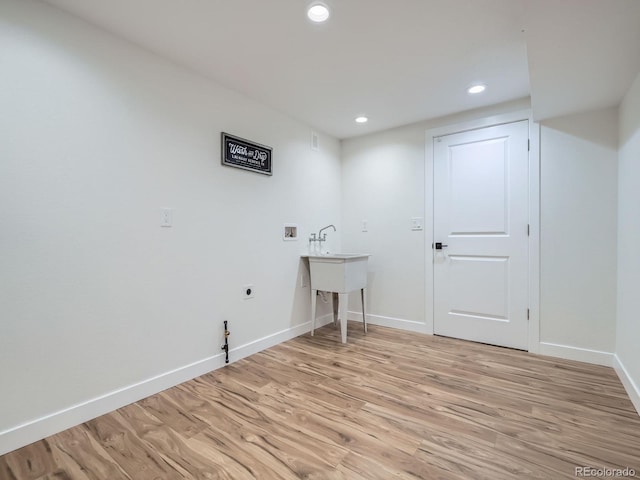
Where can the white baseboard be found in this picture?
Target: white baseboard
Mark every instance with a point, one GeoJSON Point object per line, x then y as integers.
{"type": "Point", "coordinates": [55, 422]}
{"type": "Point", "coordinates": [596, 357]}
{"type": "Point", "coordinates": [629, 385]}
{"type": "Point", "coordinates": [275, 338]}
{"type": "Point", "coordinates": [398, 323]}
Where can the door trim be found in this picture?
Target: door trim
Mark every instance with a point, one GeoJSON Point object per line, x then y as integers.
{"type": "Point", "coordinates": [534, 214]}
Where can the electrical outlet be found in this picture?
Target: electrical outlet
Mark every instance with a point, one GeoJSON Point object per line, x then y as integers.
{"type": "Point", "coordinates": [248, 291]}
{"type": "Point", "coordinates": [365, 225]}
{"type": "Point", "coordinates": [166, 217]}
{"type": "Point", "coordinates": [304, 279]}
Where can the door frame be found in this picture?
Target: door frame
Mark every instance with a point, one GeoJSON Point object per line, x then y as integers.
{"type": "Point", "coordinates": [533, 340]}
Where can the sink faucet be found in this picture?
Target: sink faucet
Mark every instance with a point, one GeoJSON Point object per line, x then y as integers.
{"type": "Point", "coordinates": [320, 236]}
{"type": "Point", "coordinates": [323, 237]}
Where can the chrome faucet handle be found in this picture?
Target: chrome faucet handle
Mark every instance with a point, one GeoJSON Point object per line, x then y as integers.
{"type": "Point", "coordinates": [313, 238]}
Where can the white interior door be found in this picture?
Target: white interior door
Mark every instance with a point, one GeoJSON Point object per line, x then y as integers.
{"type": "Point", "coordinates": [481, 220]}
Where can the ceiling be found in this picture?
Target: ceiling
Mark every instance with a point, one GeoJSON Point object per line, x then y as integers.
{"type": "Point", "coordinates": [396, 62]}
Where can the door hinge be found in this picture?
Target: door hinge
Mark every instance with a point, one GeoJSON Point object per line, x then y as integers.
{"type": "Point", "coordinates": [528, 145]}
{"type": "Point", "coordinates": [528, 230]}
{"type": "Point", "coordinates": [527, 314]}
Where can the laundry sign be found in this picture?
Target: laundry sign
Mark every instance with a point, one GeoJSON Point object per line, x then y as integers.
{"type": "Point", "coordinates": [240, 153]}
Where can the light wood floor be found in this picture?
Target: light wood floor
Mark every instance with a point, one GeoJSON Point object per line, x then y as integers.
{"type": "Point", "coordinates": [388, 405]}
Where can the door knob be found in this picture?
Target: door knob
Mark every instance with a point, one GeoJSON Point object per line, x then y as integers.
{"type": "Point", "coordinates": [439, 246]}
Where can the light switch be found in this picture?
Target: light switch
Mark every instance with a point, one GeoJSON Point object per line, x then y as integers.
{"type": "Point", "coordinates": [416, 223]}
{"type": "Point", "coordinates": [365, 226]}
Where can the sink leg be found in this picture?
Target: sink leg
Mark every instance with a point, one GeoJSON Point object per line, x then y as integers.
{"type": "Point", "coordinates": [314, 299]}
{"type": "Point", "coordinates": [343, 302]}
{"type": "Point", "coordinates": [334, 299]}
{"type": "Point", "coordinates": [363, 296]}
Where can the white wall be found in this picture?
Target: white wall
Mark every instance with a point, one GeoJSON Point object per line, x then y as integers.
{"type": "Point", "coordinates": [383, 182]}
{"type": "Point", "coordinates": [578, 184]}
{"type": "Point", "coordinates": [383, 178]}
{"type": "Point", "coordinates": [628, 324]}
{"type": "Point", "coordinates": [97, 136]}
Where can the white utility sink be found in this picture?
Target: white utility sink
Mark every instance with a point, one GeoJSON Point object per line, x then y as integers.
{"type": "Point", "coordinates": [339, 273]}
{"type": "Point", "coordinates": [337, 255]}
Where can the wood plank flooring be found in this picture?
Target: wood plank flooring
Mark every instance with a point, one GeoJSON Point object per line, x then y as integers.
{"type": "Point", "coordinates": [388, 405]}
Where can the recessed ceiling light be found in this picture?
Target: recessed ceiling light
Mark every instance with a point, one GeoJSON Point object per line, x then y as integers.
{"type": "Point", "coordinates": [362, 119]}
{"type": "Point", "coordinates": [318, 12]}
{"type": "Point", "coordinates": [479, 88]}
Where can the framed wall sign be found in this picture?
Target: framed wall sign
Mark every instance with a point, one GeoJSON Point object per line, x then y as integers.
{"type": "Point", "coordinates": [240, 153]}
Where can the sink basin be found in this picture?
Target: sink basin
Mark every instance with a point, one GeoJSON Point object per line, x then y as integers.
{"type": "Point", "coordinates": [338, 272]}
{"type": "Point", "coordinates": [338, 255]}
